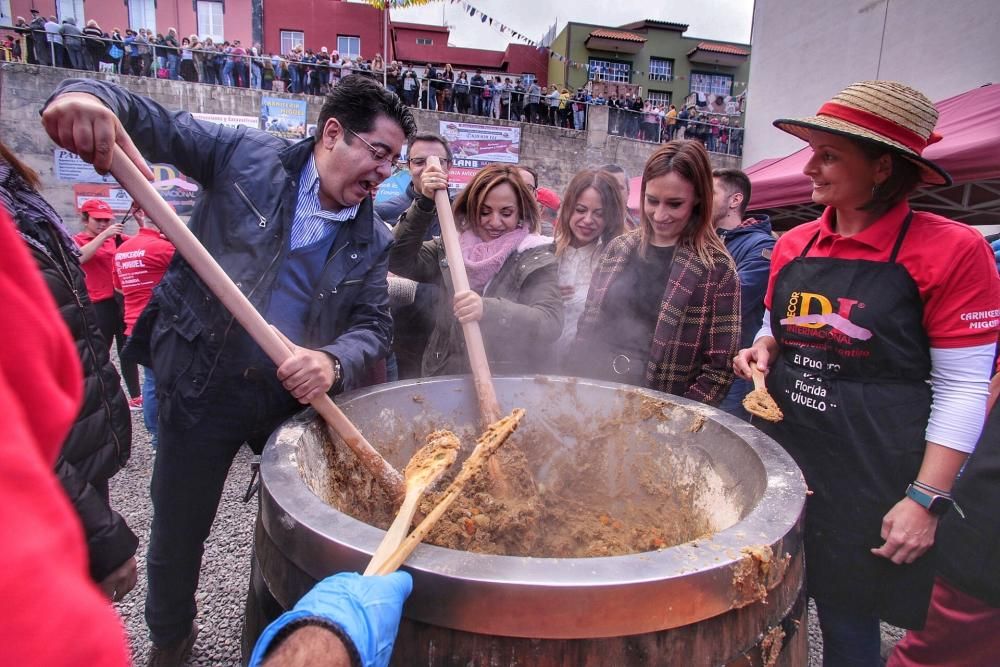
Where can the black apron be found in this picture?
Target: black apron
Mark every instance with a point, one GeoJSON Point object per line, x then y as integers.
{"type": "Point", "coordinates": [851, 379]}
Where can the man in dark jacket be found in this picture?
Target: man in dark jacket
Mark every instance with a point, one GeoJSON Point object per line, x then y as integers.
{"type": "Point", "coordinates": [296, 233]}
{"type": "Point", "coordinates": [478, 84]}
{"type": "Point", "coordinates": [100, 440]}
{"type": "Point", "coordinates": [750, 242]}
{"type": "Point", "coordinates": [419, 147]}
{"type": "Point", "coordinates": [413, 304]}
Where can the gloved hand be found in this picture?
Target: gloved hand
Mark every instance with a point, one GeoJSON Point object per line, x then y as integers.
{"type": "Point", "coordinates": [367, 609]}
{"type": "Point", "coordinates": [996, 252]}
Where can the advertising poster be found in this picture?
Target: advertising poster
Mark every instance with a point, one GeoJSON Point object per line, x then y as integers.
{"type": "Point", "coordinates": [179, 191]}
{"type": "Point", "coordinates": [71, 167]}
{"type": "Point", "coordinates": [475, 145]}
{"type": "Point", "coordinates": [283, 117]}
{"type": "Point", "coordinates": [391, 187]}
{"type": "Point", "coordinates": [111, 194]}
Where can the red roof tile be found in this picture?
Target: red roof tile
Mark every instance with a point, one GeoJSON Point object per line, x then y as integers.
{"type": "Point", "coordinates": [721, 48]}
{"type": "Point", "coordinates": [617, 34]}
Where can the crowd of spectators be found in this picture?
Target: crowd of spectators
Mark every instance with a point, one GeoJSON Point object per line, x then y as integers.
{"type": "Point", "coordinates": [305, 71]}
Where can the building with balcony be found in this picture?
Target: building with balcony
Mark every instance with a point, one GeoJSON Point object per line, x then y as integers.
{"type": "Point", "coordinates": [652, 58]}
{"type": "Point", "coordinates": [218, 19]}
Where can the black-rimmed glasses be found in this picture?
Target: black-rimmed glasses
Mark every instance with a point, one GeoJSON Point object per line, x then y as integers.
{"type": "Point", "coordinates": [380, 155]}
{"type": "Point", "coordinates": [421, 161]}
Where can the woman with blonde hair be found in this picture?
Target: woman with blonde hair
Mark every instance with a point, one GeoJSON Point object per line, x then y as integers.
{"type": "Point", "coordinates": [512, 271]}
{"type": "Point", "coordinates": [664, 304]}
{"type": "Point", "coordinates": [591, 215]}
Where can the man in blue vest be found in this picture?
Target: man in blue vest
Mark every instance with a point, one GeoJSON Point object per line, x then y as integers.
{"type": "Point", "coordinates": [291, 223]}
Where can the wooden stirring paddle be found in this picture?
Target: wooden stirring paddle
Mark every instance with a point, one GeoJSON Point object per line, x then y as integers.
{"type": "Point", "coordinates": [426, 466]}
{"type": "Point", "coordinates": [222, 286]}
{"type": "Point", "coordinates": [759, 402]}
{"type": "Point", "coordinates": [487, 444]}
{"type": "Point", "coordinates": [482, 378]}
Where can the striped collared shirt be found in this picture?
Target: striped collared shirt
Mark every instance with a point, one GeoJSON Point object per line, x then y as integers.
{"type": "Point", "coordinates": [311, 222]}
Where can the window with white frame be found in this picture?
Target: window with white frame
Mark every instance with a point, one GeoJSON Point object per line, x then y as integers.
{"type": "Point", "coordinates": [142, 14]}
{"type": "Point", "coordinates": [210, 20]}
{"type": "Point", "coordinates": [74, 8]}
{"type": "Point", "coordinates": [661, 69]}
{"type": "Point", "coordinates": [660, 98]}
{"type": "Point", "coordinates": [5, 17]}
{"type": "Point", "coordinates": [349, 46]}
{"type": "Point", "coordinates": [711, 84]}
{"type": "Point", "coordinates": [607, 70]}
{"type": "Point", "coordinates": [291, 39]}
{"type": "Point", "coordinates": [425, 41]}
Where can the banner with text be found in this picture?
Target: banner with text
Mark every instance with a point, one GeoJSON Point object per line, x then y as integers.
{"type": "Point", "coordinates": [283, 117]}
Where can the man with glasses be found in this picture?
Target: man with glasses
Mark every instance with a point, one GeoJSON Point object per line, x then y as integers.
{"type": "Point", "coordinates": [292, 224]}
{"type": "Point", "coordinates": [413, 304]}
{"type": "Point", "coordinates": [419, 147]}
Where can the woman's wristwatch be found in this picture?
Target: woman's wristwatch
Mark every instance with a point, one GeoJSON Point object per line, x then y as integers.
{"type": "Point", "coordinates": [932, 501]}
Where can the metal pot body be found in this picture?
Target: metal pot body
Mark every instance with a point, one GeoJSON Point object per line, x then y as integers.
{"type": "Point", "coordinates": [726, 597]}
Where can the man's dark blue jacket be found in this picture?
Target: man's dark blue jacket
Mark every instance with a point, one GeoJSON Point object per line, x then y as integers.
{"type": "Point", "coordinates": [243, 217]}
{"type": "Point", "coordinates": [751, 244]}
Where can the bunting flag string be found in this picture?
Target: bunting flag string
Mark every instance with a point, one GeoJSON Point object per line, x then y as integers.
{"type": "Point", "coordinates": [504, 29]}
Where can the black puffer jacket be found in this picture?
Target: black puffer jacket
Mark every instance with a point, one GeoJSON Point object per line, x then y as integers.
{"type": "Point", "coordinates": [99, 443]}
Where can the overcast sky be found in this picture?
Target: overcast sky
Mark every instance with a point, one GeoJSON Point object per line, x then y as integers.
{"type": "Point", "coordinates": [727, 20]}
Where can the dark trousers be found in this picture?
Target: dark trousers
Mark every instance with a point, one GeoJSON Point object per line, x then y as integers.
{"type": "Point", "coordinates": [850, 639]}
{"type": "Point", "coordinates": [109, 321]}
{"type": "Point", "coordinates": [188, 478]}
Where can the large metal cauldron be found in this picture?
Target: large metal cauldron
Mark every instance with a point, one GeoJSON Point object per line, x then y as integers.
{"type": "Point", "coordinates": [735, 597]}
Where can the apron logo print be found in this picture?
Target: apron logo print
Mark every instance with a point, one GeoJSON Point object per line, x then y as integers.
{"type": "Point", "coordinates": [798, 314]}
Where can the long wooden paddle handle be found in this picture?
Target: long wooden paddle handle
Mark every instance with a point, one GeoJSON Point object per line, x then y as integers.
{"type": "Point", "coordinates": [758, 376]}
{"type": "Point", "coordinates": [482, 378]}
{"type": "Point", "coordinates": [191, 249]}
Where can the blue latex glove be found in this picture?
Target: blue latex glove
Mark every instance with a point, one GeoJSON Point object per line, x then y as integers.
{"type": "Point", "coordinates": [996, 252]}
{"type": "Point", "coordinates": [367, 609]}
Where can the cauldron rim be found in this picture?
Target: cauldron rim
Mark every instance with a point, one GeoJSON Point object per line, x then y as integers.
{"type": "Point", "coordinates": [703, 567]}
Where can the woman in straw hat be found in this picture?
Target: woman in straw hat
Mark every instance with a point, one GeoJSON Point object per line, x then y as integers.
{"type": "Point", "coordinates": [879, 336]}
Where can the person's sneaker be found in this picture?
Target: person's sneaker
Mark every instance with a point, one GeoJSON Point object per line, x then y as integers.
{"type": "Point", "coordinates": [135, 404]}
{"type": "Point", "coordinates": [174, 653]}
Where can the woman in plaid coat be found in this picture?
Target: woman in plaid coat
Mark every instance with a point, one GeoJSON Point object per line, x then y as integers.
{"type": "Point", "coordinates": [664, 305]}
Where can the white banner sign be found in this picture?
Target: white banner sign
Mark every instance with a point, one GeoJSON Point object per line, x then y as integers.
{"type": "Point", "coordinates": [228, 120]}
{"type": "Point", "coordinates": [71, 167]}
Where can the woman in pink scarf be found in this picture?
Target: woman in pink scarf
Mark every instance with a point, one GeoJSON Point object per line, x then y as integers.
{"type": "Point", "coordinates": [512, 272]}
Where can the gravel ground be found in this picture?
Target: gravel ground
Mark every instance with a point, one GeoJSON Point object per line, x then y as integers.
{"type": "Point", "coordinates": [226, 564]}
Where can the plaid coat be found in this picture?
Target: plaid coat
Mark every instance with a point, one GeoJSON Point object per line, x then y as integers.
{"type": "Point", "coordinates": [698, 330]}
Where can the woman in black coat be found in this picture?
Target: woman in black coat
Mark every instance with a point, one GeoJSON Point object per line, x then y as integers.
{"type": "Point", "coordinates": [100, 441]}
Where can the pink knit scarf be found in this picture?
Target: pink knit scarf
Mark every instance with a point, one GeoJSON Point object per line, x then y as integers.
{"type": "Point", "coordinates": [484, 258]}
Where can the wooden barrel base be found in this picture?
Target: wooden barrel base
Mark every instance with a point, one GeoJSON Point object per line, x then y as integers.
{"type": "Point", "coordinates": [772, 633]}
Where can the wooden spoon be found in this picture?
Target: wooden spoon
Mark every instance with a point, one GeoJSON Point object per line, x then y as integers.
{"type": "Point", "coordinates": [424, 468]}
{"type": "Point", "coordinates": [487, 444]}
{"type": "Point", "coordinates": [759, 402]}
{"type": "Point", "coordinates": [222, 286]}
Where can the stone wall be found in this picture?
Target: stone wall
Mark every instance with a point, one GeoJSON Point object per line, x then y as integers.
{"type": "Point", "coordinates": [555, 153]}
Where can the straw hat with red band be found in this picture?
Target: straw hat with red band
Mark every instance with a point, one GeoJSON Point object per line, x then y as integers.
{"type": "Point", "coordinates": [883, 112]}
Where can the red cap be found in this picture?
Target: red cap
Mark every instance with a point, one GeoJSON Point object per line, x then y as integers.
{"type": "Point", "coordinates": [547, 198]}
{"type": "Point", "coordinates": [98, 209]}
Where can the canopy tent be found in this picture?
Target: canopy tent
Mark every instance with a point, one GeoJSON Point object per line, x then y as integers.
{"type": "Point", "coordinates": [969, 151]}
